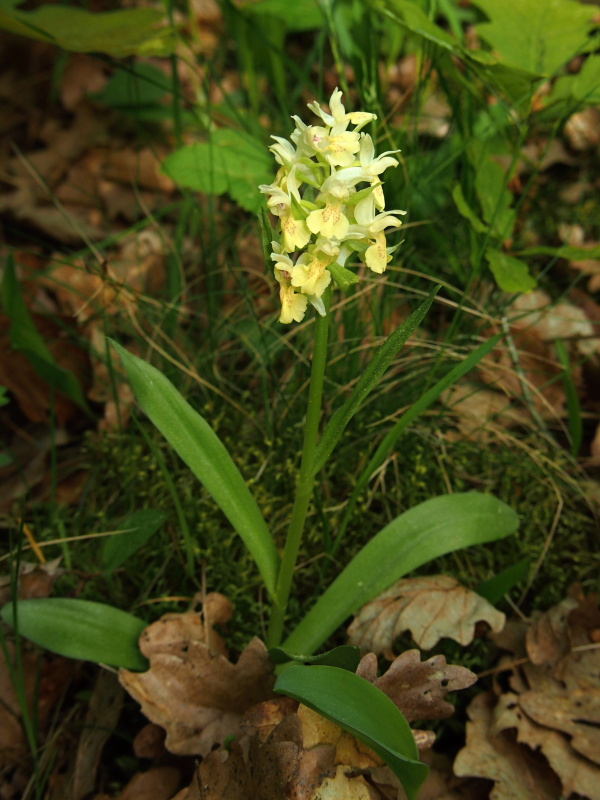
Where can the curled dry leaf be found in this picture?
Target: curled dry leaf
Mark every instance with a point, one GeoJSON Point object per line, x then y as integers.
{"type": "Point", "coordinates": [517, 774]}
{"type": "Point", "coordinates": [191, 689]}
{"type": "Point", "coordinates": [430, 608]}
{"type": "Point", "coordinates": [34, 581]}
{"type": "Point", "coordinates": [552, 708]}
{"type": "Point", "coordinates": [418, 687]}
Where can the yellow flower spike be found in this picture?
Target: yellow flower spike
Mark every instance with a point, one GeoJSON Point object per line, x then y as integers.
{"type": "Point", "coordinates": [321, 221]}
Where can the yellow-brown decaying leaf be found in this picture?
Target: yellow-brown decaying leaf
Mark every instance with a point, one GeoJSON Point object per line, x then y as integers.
{"type": "Point", "coordinates": [345, 786]}
{"type": "Point", "coordinates": [193, 692]}
{"type": "Point", "coordinates": [430, 608]}
{"type": "Point", "coordinates": [547, 639]}
{"type": "Point", "coordinates": [576, 713]}
{"type": "Point", "coordinates": [316, 730]}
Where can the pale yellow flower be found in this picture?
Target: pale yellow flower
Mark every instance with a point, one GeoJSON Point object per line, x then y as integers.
{"type": "Point", "coordinates": [293, 303]}
{"type": "Point", "coordinates": [310, 273]}
{"type": "Point", "coordinates": [373, 167]}
{"type": "Point", "coordinates": [372, 226]}
{"type": "Point", "coordinates": [339, 119]}
{"type": "Point", "coordinates": [295, 233]}
{"type": "Point", "coordinates": [330, 221]}
{"type": "Point", "coordinates": [339, 150]}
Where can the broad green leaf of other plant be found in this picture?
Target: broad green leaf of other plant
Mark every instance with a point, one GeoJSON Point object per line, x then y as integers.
{"type": "Point", "coordinates": [584, 87]}
{"type": "Point", "coordinates": [516, 83]}
{"type": "Point", "coordinates": [465, 210]}
{"type": "Point", "coordinates": [367, 382]}
{"type": "Point", "coordinates": [201, 449]}
{"type": "Point", "coordinates": [490, 184]}
{"type": "Point", "coordinates": [232, 161]}
{"type": "Point", "coordinates": [539, 36]}
{"type": "Point", "coordinates": [431, 529]}
{"type": "Point", "coordinates": [301, 15]}
{"type": "Point", "coordinates": [412, 17]}
{"type": "Point", "coordinates": [511, 274]}
{"type": "Point", "coordinates": [80, 629]}
{"type": "Point", "coordinates": [24, 336]}
{"type": "Point", "coordinates": [364, 711]}
{"type": "Point", "coordinates": [116, 33]}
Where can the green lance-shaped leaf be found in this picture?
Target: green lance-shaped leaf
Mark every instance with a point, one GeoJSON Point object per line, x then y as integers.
{"type": "Point", "coordinates": [431, 529]}
{"type": "Point", "coordinates": [367, 382]}
{"type": "Point", "coordinates": [80, 629]}
{"type": "Point", "coordinates": [495, 588]}
{"type": "Point", "coordinates": [25, 337]}
{"type": "Point", "coordinates": [199, 446]}
{"type": "Point", "coordinates": [133, 534]}
{"type": "Point", "coordinates": [361, 709]}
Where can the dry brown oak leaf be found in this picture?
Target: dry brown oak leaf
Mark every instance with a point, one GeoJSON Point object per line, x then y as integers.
{"type": "Point", "coordinates": [516, 771]}
{"type": "Point", "coordinates": [554, 705]}
{"type": "Point", "coordinates": [430, 608]}
{"type": "Point", "coordinates": [418, 687]}
{"type": "Point", "coordinates": [576, 774]}
{"type": "Point", "coordinates": [191, 690]}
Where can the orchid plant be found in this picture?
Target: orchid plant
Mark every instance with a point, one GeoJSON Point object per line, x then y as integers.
{"type": "Point", "coordinates": [329, 203]}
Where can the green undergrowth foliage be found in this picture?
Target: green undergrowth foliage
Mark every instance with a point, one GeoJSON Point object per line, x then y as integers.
{"type": "Point", "coordinates": [488, 79]}
{"type": "Point", "coordinates": [125, 475]}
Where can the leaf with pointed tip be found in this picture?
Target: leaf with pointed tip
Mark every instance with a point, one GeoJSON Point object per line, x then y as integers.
{"type": "Point", "coordinates": [363, 710]}
{"type": "Point", "coordinates": [431, 529]}
{"type": "Point", "coordinates": [80, 629]}
{"type": "Point", "coordinates": [199, 446]}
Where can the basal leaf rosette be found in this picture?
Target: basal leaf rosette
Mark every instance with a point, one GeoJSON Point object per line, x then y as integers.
{"type": "Point", "coordinates": [325, 211]}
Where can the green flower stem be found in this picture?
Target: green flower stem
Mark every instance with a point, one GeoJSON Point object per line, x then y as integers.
{"type": "Point", "coordinates": [306, 481]}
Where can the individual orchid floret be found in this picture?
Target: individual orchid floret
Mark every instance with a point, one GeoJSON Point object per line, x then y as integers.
{"type": "Point", "coordinates": [372, 227]}
{"type": "Point", "coordinates": [294, 232]}
{"type": "Point", "coordinates": [310, 274]}
{"type": "Point", "coordinates": [373, 167]}
{"type": "Point", "coordinates": [338, 149]}
{"type": "Point", "coordinates": [331, 220]}
{"type": "Point", "coordinates": [338, 118]}
{"type": "Point", "coordinates": [293, 303]}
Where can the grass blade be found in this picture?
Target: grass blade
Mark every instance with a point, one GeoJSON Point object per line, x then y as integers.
{"type": "Point", "coordinates": [573, 406]}
{"type": "Point", "coordinates": [367, 382]}
{"type": "Point", "coordinates": [26, 338]}
{"type": "Point", "coordinates": [431, 529]}
{"type": "Point", "coordinates": [201, 449]}
{"type": "Point", "coordinates": [390, 439]}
